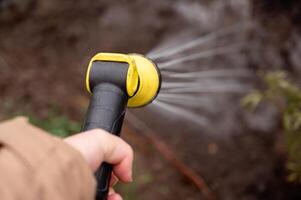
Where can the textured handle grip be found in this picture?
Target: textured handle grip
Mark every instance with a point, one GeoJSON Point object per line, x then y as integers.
{"type": "Point", "coordinates": [106, 111]}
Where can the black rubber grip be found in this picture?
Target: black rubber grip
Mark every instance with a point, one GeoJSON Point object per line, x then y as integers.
{"type": "Point", "coordinates": [106, 111]}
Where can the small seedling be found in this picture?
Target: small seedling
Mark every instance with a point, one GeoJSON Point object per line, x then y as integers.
{"type": "Point", "coordinates": [286, 96]}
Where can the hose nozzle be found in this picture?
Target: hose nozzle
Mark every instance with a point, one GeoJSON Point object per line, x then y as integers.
{"type": "Point", "coordinates": [141, 79]}
{"type": "Point", "coordinates": [115, 82]}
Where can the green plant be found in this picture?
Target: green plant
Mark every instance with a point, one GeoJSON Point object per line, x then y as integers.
{"type": "Point", "coordinates": [56, 124]}
{"type": "Point", "coordinates": [286, 96]}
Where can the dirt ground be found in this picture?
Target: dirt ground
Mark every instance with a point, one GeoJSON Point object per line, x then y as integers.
{"type": "Point", "coordinates": [44, 50]}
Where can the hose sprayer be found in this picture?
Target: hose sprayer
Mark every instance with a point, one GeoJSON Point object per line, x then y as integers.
{"type": "Point", "coordinates": [116, 81]}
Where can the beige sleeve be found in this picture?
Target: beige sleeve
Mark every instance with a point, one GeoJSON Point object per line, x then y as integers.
{"type": "Point", "coordinates": [37, 166]}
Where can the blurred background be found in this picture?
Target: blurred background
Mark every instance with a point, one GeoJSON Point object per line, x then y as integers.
{"type": "Point", "coordinates": [226, 124]}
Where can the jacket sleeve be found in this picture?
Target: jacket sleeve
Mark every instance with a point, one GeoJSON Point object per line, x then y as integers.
{"type": "Point", "coordinates": [37, 166]}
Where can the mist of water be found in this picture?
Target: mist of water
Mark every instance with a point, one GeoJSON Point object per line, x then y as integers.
{"type": "Point", "coordinates": [186, 84]}
{"type": "Point", "coordinates": [196, 118]}
{"type": "Point", "coordinates": [205, 54]}
{"type": "Point", "coordinates": [218, 73]}
{"type": "Point", "coordinates": [194, 43]}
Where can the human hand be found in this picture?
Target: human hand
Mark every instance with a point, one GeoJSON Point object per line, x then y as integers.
{"type": "Point", "coordinates": [99, 146]}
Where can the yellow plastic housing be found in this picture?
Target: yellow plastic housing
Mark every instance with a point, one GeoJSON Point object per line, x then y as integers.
{"type": "Point", "coordinates": [149, 84]}
{"type": "Point", "coordinates": [132, 75]}
{"type": "Point", "coordinates": [143, 77]}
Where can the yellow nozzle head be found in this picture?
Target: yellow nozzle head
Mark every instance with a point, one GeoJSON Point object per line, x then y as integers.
{"type": "Point", "coordinates": [149, 81]}
{"type": "Point", "coordinates": [143, 78]}
{"type": "Point", "coordinates": [132, 74]}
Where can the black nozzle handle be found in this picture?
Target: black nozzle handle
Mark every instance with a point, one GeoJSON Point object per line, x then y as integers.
{"type": "Point", "coordinates": [106, 111]}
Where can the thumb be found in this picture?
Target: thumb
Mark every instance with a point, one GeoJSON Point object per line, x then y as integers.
{"type": "Point", "coordinates": [99, 146]}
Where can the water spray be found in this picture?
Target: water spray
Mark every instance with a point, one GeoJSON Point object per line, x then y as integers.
{"type": "Point", "coordinates": [117, 81]}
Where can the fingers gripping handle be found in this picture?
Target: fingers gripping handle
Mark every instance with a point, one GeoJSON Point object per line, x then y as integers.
{"type": "Point", "coordinates": [103, 176]}
{"type": "Point", "coordinates": [106, 111]}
